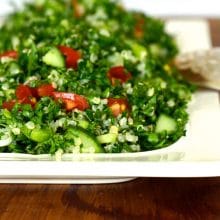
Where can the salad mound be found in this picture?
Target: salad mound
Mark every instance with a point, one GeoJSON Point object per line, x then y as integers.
{"type": "Point", "coordinates": [88, 77]}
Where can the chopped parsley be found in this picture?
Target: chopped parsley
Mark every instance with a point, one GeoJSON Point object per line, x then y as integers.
{"type": "Point", "coordinates": [88, 77]}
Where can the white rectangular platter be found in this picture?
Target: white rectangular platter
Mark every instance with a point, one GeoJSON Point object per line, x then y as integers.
{"type": "Point", "coordinates": [196, 155]}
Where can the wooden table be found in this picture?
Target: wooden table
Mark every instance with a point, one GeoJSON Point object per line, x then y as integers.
{"type": "Point", "coordinates": [143, 198]}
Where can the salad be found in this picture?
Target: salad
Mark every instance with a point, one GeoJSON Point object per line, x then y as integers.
{"type": "Point", "coordinates": [88, 76]}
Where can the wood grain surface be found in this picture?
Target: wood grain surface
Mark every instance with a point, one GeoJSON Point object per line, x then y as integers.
{"type": "Point", "coordinates": [143, 198]}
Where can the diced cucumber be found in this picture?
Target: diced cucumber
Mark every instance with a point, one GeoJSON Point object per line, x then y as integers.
{"type": "Point", "coordinates": [139, 51]}
{"type": "Point", "coordinates": [83, 124]}
{"type": "Point", "coordinates": [165, 123]}
{"type": "Point", "coordinates": [107, 138]}
{"type": "Point", "coordinates": [54, 58]}
{"type": "Point", "coordinates": [5, 142]}
{"type": "Point", "coordinates": [155, 49]}
{"type": "Point", "coordinates": [153, 138]}
{"type": "Point", "coordinates": [116, 59]}
{"type": "Point", "coordinates": [113, 130]}
{"type": "Point", "coordinates": [6, 139]}
{"type": "Point", "coordinates": [39, 2]}
{"type": "Point", "coordinates": [89, 143]}
{"type": "Point", "coordinates": [14, 69]}
{"type": "Point", "coordinates": [40, 135]}
{"type": "Point", "coordinates": [25, 131]}
{"type": "Point", "coordinates": [6, 113]}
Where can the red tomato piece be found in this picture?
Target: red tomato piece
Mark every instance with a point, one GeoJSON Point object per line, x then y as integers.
{"type": "Point", "coordinates": [138, 32]}
{"type": "Point", "coordinates": [72, 101]}
{"type": "Point", "coordinates": [118, 73]}
{"type": "Point", "coordinates": [139, 28]}
{"type": "Point", "coordinates": [72, 56]}
{"type": "Point", "coordinates": [11, 53]}
{"type": "Point", "coordinates": [69, 104]}
{"type": "Point", "coordinates": [34, 92]}
{"type": "Point", "coordinates": [24, 95]}
{"type": "Point", "coordinates": [118, 105]}
{"type": "Point", "coordinates": [45, 90]}
{"type": "Point", "coordinates": [82, 103]}
{"type": "Point", "coordinates": [76, 10]}
{"type": "Point", "coordinates": [29, 101]}
{"type": "Point", "coordinates": [9, 105]}
{"type": "Point", "coordinates": [64, 95]}
{"type": "Point", "coordinates": [23, 92]}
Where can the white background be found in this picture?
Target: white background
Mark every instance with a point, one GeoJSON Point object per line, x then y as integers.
{"type": "Point", "coordinates": [208, 8]}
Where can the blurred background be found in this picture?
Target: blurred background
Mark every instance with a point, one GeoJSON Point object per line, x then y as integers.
{"type": "Point", "coordinates": [164, 8]}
